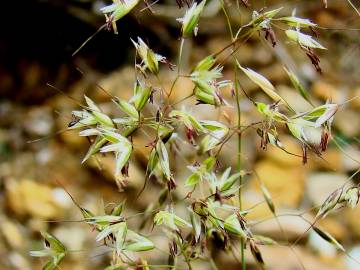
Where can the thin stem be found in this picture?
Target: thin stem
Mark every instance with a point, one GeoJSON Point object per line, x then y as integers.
{"type": "Point", "coordinates": [172, 87]}
{"type": "Point", "coordinates": [180, 55]}
{"type": "Point", "coordinates": [187, 260]}
{"type": "Point", "coordinates": [238, 109]}
{"type": "Point", "coordinates": [273, 211]}
{"type": "Point", "coordinates": [88, 39]}
{"type": "Point", "coordinates": [179, 67]}
{"type": "Point", "coordinates": [183, 99]}
{"type": "Point", "coordinates": [213, 264]}
{"type": "Point", "coordinates": [227, 20]}
{"type": "Point", "coordinates": [353, 6]}
{"type": "Point", "coordinates": [162, 89]}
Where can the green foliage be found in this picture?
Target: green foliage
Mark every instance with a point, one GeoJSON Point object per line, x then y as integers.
{"type": "Point", "coordinates": [213, 213]}
{"type": "Point", "coordinates": [53, 249]}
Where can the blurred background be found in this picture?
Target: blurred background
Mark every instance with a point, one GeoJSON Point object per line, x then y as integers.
{"type": "Point", "coordinates": [36, 44]}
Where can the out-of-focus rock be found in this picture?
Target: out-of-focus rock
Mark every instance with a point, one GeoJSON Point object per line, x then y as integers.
{"type": "Point", "coordinates": [281, 157]}
{"type": "Point", "coordinates": [289, 261]}
{"type": "Point", "coordinates": [246, 54]}
{"type": "Point", "coordinates": [320, 185]}
{"type": "Point", "coordinates": [292, 96]}
{"type": "Point", "coordinates": [307, 71]}
{"type": "Point", "coordinates": [353, 220]}
{"type": "Point", "coordinates": [351, 158]}
{"type": "Point", "coordinates": [72, 139]}
{"type": "Point", "coordinates": [331, 159]}
{"type": "Point", "coordinates": [106, 165]}
{"type": "Point", "coordinates": [182, 89]}
{"type": "Point", "coordinates": [286, 184]}
{"type": "Point", "coordinates": [351, 264]}
{"type": "Point", "coordinates": [18, 262]}
{"type": "Point", "coordinates": [39, 121]}
{"type": "Point", "coordinates": [348, 122]}
{"type": "Point", "coordinates": [291, 228]}
{"type": "Point", "coordinates": [12, 234]}
{"type": "Point", "coordinates": [355, 103]}
{"type": "Point", "coordinates": [334, 227]}
{"type": "Point", "coordinates": [320, 245]}
{"type": "Point", "coordinates": [142, 150]}
{"type": "Point", "coordinates": [253, 199]}
{"type": "Point", "coordinates": [275, 73]}
{"type": "Point", "coordinates": [325, 18]}
{"type": "Point", "coordinates": [218, 43]}
{"type": "Point", "coordinates": [37, 225]}
{"type": "Point", "coordinates": [63, 165]}
{"type": "Point", "coordinates": [73, 237]}
{"type": "Point", "coordinates": [284, 258]}
{"type": "Point", "coordinates": [119, 83]}
{"type": "Point", "coordinates": [27, 197]}
{"type": "Point", "coordinates": [325, 91]}
{"type": "Point", "coordinates": [261, 55]}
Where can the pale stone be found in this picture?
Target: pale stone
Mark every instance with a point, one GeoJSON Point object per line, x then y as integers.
{"type": "Point", "coordinates": [350, 158]}
{"type": "Point", "coordinates": [320, 245]}
{"type": "Point", "coordinates": [282, 257]}
{"type": "Point", "coordinates": [320, 185]}
{"type": "Point", "coordinates": [333, 226]}
{"type": "Point", "coordinates": [12, 234]}
{"type": "Point", "coordinates": [39, 121]}
{"type": "Point", "coordinates": [351, 264]}
{"type": "Point", "coordinates": [119, 83]}
{"type": "Point", "coordinates": [281, 157]}
{"type": "Point", "coordinates": [73, 140]}
{"type": "Point", "coordinates": [106, 164]}
{"type": "Point", "coordinates": [348, 122]}
{"type": "Point", "coordinates": [73, 237]}
{"type": "Point", "coordinates": [292, 226]}
{"type": "Point", "coordinates": [331, 159]}
{"type": "Point", "coordinates": [286, 184]}
{"type": "Point", "coordinates": [293, 97]}
{"type": "Point", "coordinates": [355, 94]}
{"type": "Point", "coordinates": [353, 221]}
{"type": "Point", "coordinates": [27, 197]}
{"type": "Point", "coordinates": [325, 91]}
{"type": "Point", "coordinates": [18, 261]}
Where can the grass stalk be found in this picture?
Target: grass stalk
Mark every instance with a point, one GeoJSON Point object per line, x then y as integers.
{"type": "Point", "coordinates": [239, 137]}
